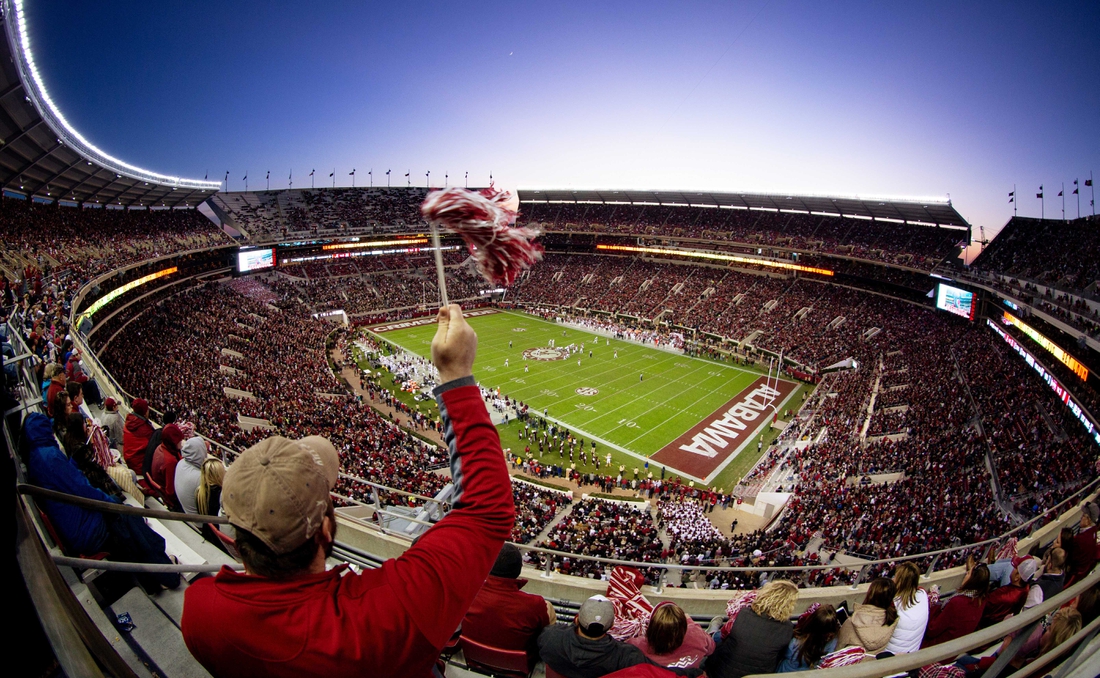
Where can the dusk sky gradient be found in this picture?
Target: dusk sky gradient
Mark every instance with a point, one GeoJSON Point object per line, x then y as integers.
{"type": "Point", "coordinates": [854, 98]}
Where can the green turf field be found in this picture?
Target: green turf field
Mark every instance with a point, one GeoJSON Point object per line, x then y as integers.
{"type": "Point", "coordinates": [645, 398]}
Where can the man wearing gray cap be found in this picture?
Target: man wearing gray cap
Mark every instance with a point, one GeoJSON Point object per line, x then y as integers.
{"type": "Point", "coordinates": [289, 616]}
{"type": "Point", "coordinates": [584, 650]}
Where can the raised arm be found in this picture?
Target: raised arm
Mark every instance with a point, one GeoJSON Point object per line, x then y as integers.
{"type": "Point", "coordinates": [441, 574]}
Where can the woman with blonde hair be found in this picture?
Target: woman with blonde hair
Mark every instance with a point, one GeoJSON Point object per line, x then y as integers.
{"type": "Point", "coordinates": [209, 493]}
{"type": "Point", "coordinates": [672, 639]}
{"type": "Point", "coordinates": [911, 602]}
{"type": "Point", "coordinates": [760, 635]}
{"type": "Point", "coordinates": [208, 497]}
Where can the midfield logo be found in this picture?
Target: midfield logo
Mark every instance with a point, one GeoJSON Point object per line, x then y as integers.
{"type": "Point", "coordinates": [545, 353]}
{"type": "Point", "coordinates": [587, 391]}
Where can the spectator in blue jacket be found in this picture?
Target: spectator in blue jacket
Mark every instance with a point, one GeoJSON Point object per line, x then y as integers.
{"type": "Point", "coordinates": [83, 531]}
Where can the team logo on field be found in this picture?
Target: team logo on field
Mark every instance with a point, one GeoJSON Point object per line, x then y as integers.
{"type": "Point", "coordinates": [545, 353]}
{"type": "Point", "coordinates": [519, 329]}
{"type": "Point", "coordinates": [587, 391]}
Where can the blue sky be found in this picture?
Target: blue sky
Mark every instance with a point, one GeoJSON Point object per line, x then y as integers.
{"type": "Point", "coordinates": [844, 98]}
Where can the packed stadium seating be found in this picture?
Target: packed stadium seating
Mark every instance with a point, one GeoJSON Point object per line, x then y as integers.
{"type": "Point", "coordinates": [272, 215]}
{"type": "Point", "coordinates": [813, 323]}
{"type": "Point", "coordinates": [1046, 251]}
{"type": "Point", "coordinates": [935, 399]}
{"type": "Point", "coordinates": [88, 241]}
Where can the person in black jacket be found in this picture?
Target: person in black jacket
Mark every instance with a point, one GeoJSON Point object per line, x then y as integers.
{"type": "Point", "coordinates": [760, 634]}
{"type": "Point", "coordinates": [584, 650]}
{"type": "Point", "coordinates": [154, 442]}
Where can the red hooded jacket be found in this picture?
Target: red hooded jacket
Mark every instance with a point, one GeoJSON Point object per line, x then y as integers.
{"type": "Point", "coordinates": [135, 438]}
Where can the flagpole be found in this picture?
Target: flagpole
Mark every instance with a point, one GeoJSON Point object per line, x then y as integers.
{"type": "Point", "coordinates": [1077, 192]}
{"type": "Point", "coordinates": [1063, 194]}
{"type": "Point", "coordinates": [1093, 201]}
{"type": "Point", "coordinates": [1013, 199]}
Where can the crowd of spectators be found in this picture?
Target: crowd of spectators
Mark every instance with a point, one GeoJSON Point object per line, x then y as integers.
{"type": "Point", "coordinates": [88, 241]}
{"type": "Point", "coordinates": [903, 244]}
{"type": "Point", "coordinates": [622, 530]}
{"type": "Point", "coordinates": [1046, 251]}
{"type": "Point", "coordinates": [536, 507]}
{"type": "Point", "coordinates": [273, 215]}
{"type": "Point", "coordinates": [904, 412]}
{"type": "Point", "coordinates": [282, 364]}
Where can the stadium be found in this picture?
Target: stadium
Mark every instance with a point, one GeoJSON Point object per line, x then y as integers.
{"type": "Point", "coordinates": [697, 394]}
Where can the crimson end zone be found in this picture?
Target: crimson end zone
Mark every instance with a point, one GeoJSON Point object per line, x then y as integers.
{"type": "Point", "coordinates": [713, 443]}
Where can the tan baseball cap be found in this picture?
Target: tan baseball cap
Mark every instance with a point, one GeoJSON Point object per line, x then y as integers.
{"type": "Point", "coordinates": [278, 489]}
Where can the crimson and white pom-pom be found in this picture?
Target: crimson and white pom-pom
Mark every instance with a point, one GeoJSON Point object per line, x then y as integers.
{"type": "Point", "coordinates": [484, 221]}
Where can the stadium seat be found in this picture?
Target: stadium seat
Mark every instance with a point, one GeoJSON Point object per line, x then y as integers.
{"type": "Point", "coordinates": [228, 542]}
{"type": "Point", "coordinates": [48, 524]}
{"type": "Point", "coordinates": [551, 673]}
{"type": "Point", "coordinates": [494, 660]}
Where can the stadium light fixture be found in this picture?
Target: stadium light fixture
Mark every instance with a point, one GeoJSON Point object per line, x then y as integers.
{"type": "Point", "coordinates": [716, 256]}
{"type": "Point", "coordinates": [43, 103]}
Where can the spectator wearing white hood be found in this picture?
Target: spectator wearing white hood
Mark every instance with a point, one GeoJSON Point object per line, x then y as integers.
{"type": "Point", "coordinates": [189, 472]}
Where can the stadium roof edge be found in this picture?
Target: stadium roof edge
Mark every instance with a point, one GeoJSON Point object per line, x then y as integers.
{"type": "Point", "coordinates": [923, 210]}
{"type": "Point", "coordinates": [44, 158]}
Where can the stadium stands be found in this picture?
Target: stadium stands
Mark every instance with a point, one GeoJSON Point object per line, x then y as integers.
{"type": "Point", "coordinates": [935, 401]}
{"type": "Point", "coordinates": [1046, 251]}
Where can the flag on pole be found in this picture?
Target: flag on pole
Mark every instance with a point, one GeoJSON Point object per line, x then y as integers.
{"type": "Point", "coordinates": [1060, 193]}
{"type": "Point", "coordinates": [1012, 196]}
{"type": "Point", "coordinates": [1088, 182]}
{"type": "Point", "coordinates": [332, 173]}
{"type": "Point", "coordinates": [311, 172]}
{"type": "Point", "coordinates": [1040, 193]}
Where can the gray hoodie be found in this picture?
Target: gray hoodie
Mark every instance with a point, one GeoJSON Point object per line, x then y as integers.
{"type": "Point", "coordinates": [573, 656]}
{"type": "Point", "coordinates": [189, 472]}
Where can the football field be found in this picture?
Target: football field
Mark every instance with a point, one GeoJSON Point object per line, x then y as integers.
{"type": "Point", "coordinates": [684, 413]}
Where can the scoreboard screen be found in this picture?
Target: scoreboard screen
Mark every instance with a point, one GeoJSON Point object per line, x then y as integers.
{"type": "Point", "coordinates": [955, 300]}
{"type": "Point", "coordinates": [255, 260]}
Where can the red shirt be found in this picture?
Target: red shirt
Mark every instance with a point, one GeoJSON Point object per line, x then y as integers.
{"type": "Point", "coordinates": [954, 619]}
{"type": "Point", "coordinates": [1080, 555]}
{"type": "Point", "coordinates": [1001, 602]}
{"type": "Point", "coordinates": [502, 616]}
{"type": "Point", "coordinates": [389, 621]}
{"type": "Point", "coordinates": [691, 653]}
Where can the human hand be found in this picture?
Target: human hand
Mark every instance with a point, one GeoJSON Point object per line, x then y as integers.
{"type": "Point", "coordinates": [454, 346]}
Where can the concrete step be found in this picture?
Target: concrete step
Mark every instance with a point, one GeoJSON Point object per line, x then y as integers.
{"type": "Point", "coordinates": [158, 637]}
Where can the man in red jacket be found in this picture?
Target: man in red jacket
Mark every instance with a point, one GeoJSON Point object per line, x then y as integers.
{"type": "Point", "coordinates": [1081, 550]}
{"type": "Point", "coordinates": [288, 616]}
{"type": "Point", "coordinates": [502, 615]}
{"type": "Point", "coordinates": [135, 436]}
